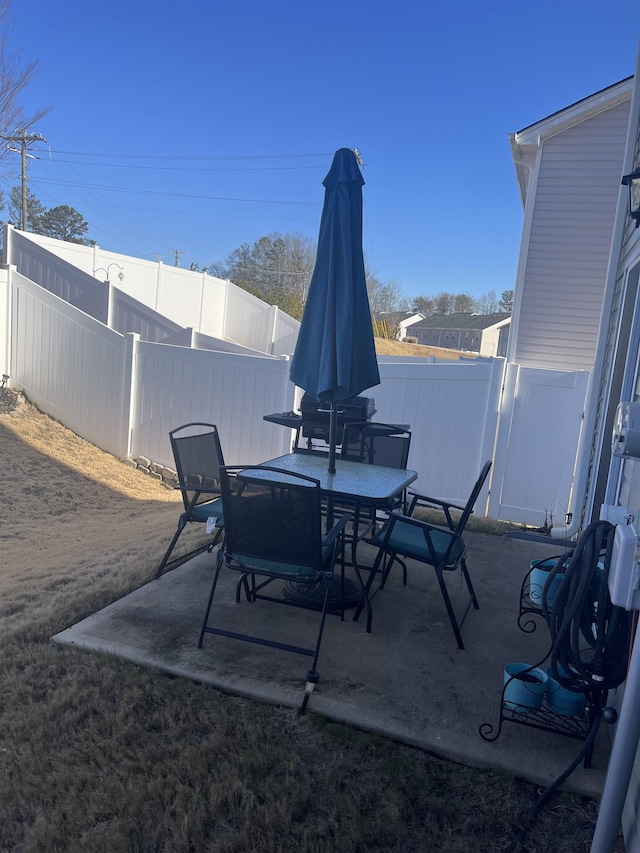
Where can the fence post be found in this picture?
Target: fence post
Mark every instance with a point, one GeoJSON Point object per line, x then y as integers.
{"type": "Point", "coordinates": [225, 308]}
{"type": "Point", "coordinates": [274, 326]}
{"type": "Point", "coordinates": [110, 301]}
{"type": "Point", "coordinates": [129, 391]}
{"type": "Point", "coordinates": [6, 333]}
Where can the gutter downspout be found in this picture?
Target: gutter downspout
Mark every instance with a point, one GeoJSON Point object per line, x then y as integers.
{"type": "Point", "coordinates": [579, 490]}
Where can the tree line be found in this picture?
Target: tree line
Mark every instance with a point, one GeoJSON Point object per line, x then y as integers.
{"type": "Point", "coordinates": [278, 268]}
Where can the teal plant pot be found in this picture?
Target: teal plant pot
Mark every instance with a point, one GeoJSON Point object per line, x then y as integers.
{"type": "Point", "coordinates": [525, 687]}
{"type": "Point", "coordinates": [537, 579]}
{"type": "Point", "coordinates": [561, 701]}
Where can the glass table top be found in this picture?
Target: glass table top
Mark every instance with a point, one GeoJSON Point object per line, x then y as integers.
{"type": "Point", "coordinates": [351, 479]}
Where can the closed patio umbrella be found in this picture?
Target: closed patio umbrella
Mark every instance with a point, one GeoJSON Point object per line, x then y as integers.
{"type": "Point", "coordinates": [335, 356]}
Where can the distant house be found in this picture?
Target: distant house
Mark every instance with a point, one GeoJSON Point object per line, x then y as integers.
{"type": "Point", "coordinates": [398, 320]}
{"type": "Point", "coordinates": [485, 334]}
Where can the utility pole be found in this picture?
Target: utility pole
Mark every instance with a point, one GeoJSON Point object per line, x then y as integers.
{"type": "Point", "coordinates": [176, 254]}
{"type": "Point", "coordinates": [23, 139]}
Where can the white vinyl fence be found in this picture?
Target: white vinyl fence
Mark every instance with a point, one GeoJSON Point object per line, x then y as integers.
{"type": "Point", "coordinates": [452, 408]}
{"type": "Point", "coordinates": [537, 443]}
{"type": "Point", "coordinates": [170, 298]}
{"type": "Point", "coordinates": [124, 395]}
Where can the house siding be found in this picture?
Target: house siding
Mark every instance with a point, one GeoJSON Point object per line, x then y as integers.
{"type": "Point", "coordinates": [562, 281]}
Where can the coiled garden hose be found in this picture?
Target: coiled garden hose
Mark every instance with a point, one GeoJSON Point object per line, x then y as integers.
{"type": "Point", "coordinates": [590, 639]}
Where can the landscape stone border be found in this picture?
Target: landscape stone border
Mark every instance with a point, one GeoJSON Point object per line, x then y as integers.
{"type": "Point", "coordinates": [165, 475]}
{"type": "Point", "coordinates": [11, 402]}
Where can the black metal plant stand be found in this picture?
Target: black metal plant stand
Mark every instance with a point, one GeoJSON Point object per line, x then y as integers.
{"type": "Point", "coordinates": [543, 718]}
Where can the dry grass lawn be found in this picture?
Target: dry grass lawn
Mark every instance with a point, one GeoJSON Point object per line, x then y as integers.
{"type": "Point", "coordinates": [385, 346]}
{"type": "Point", "coordinates": [97, 754]}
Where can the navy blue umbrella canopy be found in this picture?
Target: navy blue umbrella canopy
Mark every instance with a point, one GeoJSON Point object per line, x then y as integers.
{"type": "Point", "coordinates": [335, 355]}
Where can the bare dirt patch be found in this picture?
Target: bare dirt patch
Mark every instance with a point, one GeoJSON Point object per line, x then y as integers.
{"type": "Point", "coordinates": [77, 523]}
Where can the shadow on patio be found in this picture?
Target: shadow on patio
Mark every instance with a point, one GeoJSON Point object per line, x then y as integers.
{"type": "Point", "coordinates": [407, 679]}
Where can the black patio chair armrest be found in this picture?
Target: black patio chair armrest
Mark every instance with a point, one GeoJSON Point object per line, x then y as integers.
{"type": "Point", "coordinates": [418, 497]}
{"type": "Point", "coordinates": [424, 500]}
{"type": "Point", "coordinates": [337, 529]}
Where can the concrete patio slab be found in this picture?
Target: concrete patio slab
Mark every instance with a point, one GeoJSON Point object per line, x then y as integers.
{"type": "Point", "coordinates": [406, 680]}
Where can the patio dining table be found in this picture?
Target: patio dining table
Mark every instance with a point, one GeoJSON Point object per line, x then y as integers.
{"type": "Point", "coordinates": [353, 483]}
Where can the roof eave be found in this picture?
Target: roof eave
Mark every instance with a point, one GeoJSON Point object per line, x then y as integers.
{"type": "Point", "coordinates": [526, 143]}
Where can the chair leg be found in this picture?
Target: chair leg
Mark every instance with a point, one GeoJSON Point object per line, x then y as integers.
{"type": "Point", "coordinates": [393, 558]}
{"type": "Point", "coordinates": [219, 564]}
{"type": "Point", "coordinates": [312, 674]}
{"type": "Point", "coordinates": [450, 611]}
{"type": "Point", "coordinates": [166, 565]}
{"type": "Point", "coordinates": [472, 593]}
{"type": "Point", "coordinates": [172, 545]}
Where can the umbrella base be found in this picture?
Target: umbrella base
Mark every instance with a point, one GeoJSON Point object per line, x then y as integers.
{"type": "Point", "coordinates": [312, 595]}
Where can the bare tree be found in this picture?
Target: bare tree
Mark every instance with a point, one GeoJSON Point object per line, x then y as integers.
{"type": "Point", "coordinates": [383, 298]}
{"type": "Point", "coordinates": [15, 76]}
{"type": "Point", "coordinates": [488, 303]}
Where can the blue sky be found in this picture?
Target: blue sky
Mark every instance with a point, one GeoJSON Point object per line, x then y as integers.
{"type": "Point", "coordinates": [198, 125]}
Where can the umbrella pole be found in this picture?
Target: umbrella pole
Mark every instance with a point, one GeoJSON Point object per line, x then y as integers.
{"type": "Point", "coordinates": [333, 429]}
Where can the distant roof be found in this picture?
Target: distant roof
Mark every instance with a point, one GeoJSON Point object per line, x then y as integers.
{"type": "Point", "coordinates": [460, 321]}
{"type": "Point", "coordinates": [395, 317]}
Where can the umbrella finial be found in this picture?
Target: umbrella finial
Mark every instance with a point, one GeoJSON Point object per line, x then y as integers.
{"type": "Point", "coordinates": [358, 158]}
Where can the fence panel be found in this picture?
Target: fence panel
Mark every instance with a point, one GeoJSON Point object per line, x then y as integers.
{"type": "Point", "coordinates": [200, 341]}
{"type": "Point", "coordinates": [540, 422]}
{"type": "Point", "coordinates": [59, 277]}
{"type": "Point", "coordinates": [176, 386]}
{"type": "Point", "coordinates": [248, 320]}
{"type": "Point", "coordinates": [71, 366]}
{"type": "Point", "coordinates": [129, 315]}
{"type": "Point", "coordinates": [452, 410]}
{"type": "Point", "coordinates": [285, 334]}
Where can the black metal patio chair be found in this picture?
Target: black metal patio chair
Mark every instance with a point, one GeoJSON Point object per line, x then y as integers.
{"type": "Point", "coordinates": [377, 444]}
{"type": "Point", "coordinates": [273, 532]}
{"type": "Point", "coordinates": [442, 548]}
{"type": "Point", "coordinates": [198, 457]}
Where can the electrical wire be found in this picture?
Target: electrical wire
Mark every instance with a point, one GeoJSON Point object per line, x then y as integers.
{"type": "Point", "coordinates": [193, 157]}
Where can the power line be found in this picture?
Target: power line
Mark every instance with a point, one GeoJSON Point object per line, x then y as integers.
{"type": "Point", "coordinates": [193, 156]}
{"type": "Point", "coordinates": [180, 195]}
{"type": "Point", "coordinates": [189, 168]}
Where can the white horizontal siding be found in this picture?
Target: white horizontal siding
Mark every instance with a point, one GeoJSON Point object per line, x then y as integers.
{"type": "Point", "coordinates": [568, 244]}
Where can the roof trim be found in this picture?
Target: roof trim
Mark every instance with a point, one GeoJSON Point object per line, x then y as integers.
{"type": "Point", "coordinates": [526, 143]}
{"type": "Point", "coordinates": [575, 113]}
